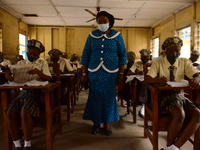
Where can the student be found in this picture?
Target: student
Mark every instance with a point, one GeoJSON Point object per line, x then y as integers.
{"type": "Point", "coordinates": [194, 57]}
{"type": "Point", "coordinates": [103, 60]}
{"type": "Point", "coordinates": [74, 60]}
{"type": "Point", "coordinates": [55, 57]}
{"type": "Point", "coordinates": [137, 67]}
{"type": "Point", "coordinates": [19, 57]}
{"type": "Point", "coordinates": [185, 115]}
{"type": "Point", "coordinates": [64, 55]}
{"type": "Point", "coordinates": [4, 63]}
{"type": "Point", "coordinates": [124, 91]}
{"type": "Point", "coordinates": [27, 105]}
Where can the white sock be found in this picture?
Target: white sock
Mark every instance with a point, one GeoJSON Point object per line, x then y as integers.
{"type": "Point", "coordinates": [142, 110]}
{"type": "Point", "coordinates": [172, 147]}
{"type": "Point", "coordinates": [27, 143]}
{"type": "Point", "coordinates": [17, 143]}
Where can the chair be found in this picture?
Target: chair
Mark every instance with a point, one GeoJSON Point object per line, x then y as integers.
{"type": "Point", "coordinates": [159, 123]}
{"type": "Point", "coordinates": [70, 95]}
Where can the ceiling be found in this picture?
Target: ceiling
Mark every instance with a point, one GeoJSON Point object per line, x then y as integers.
{"type": "Point", "coordinates": [135, 13]}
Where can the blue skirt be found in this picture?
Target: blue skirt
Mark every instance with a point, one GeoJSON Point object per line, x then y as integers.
{"type": "Point", "coordinates": [101, 106]}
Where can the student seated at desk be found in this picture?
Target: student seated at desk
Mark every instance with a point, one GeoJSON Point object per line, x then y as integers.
{"type": "Point", "coordinates": [194, 57]}
{"type": "Point", "coordinates": [27, 105]}
{"type": "Point", "coordinates": [4, 63]}
{"type": "Point", "coordinates": [55, 57]}
{"type": "Point", "coordinates": [74, 61]}
{"type": "Point", "coordinates": [124, 92]}
{"type": "Point", "coordinates": [137, 69]}
{"type": "Point", "coordinates": [185, 115]}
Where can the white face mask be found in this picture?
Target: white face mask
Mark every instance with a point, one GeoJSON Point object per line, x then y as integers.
{"type": "Point", "coordinates": [103, 27]}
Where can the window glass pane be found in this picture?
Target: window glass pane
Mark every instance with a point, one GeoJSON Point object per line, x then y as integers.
{"type": "Point", "coordinates": [185, 35]}
{"type": "Point", "coordinates": [22, 45]}
{"type": "Point", "coordinates": [155, 47]}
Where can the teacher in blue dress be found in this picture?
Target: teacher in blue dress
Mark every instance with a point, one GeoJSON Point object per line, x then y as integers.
{"type": "Point", "coordinates": [103, 60]}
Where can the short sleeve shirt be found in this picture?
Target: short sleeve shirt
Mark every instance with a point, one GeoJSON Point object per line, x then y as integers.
{"type": "Point", "coordinates": [183, 66]}
{"type": "Point", "coordinates": [64, 63]}
{"type": "Point", "coordinates": [6, 62]}
{"type": "Point", "coordinates": [138, 66]}
{"type": "Point", "coordinates": [40, 64]}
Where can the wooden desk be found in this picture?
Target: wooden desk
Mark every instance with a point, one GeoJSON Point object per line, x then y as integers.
{"type": "Point", "coordinates": [135, 89]}
{"type": "Point", "coordinates": [48, 89]}
{"type": "Point", "coordinates": [155, 89]}
{"type": "Point", "coordinates": [69, 82]}
{"type": "Point", "coordinates": [2, 77]}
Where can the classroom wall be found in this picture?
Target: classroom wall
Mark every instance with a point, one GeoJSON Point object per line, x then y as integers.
{"type": "Point", "coordinates": [10, 32]}
{"type": "Point", "coordinates": [72, 39]}
{"type": "Point", "coordinates": [168, 27]}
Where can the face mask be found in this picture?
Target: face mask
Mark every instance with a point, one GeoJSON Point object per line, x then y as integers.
{"type": "Point", "coordinates": [144, 62]}
{"type": "Point", "coordinates": [172, 58]}
{"type": "Point", "coordinates": [31, 59]}
{"type": "Point", "coordinates": [193, 60]}
{"type": "Point", "coordinates": [103, 27]}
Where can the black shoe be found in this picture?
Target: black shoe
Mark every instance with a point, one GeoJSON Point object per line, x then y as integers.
{"type": "Point", "coordinates": [108, 133]}
{"type": "Point", "coordinates": [95, 129]}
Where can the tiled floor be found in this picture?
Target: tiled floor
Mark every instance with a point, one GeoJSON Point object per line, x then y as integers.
{"type": "Point", "coordinates": [77, 136]}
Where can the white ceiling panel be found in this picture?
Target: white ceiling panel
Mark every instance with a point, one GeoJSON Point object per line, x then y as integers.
{"type": "Point", "coordinates": [141, 23]}
{"type": "Point", "coordinates": [78, 21]}
{"type": "Point", "coordinates": [154, 14]}
{"type": "Point", "coordinates": [123, 5]}
{"type": "Point", "coordinates": [164, 5]}
{"type": "Point", "coordinates": [121, 13]}
{"type": "Point", "coordinates": [71, 12]}
{"type": "Point", "coordinates": [75, 12]}
{"type": "Point", "coordinates": [27, 2]}
{"type": "Point", "coordinates": [39, 10]}
{"type": "Point", "coordinates": [43, 20]}
{"type": "Point", "coordinates": [173, 1]}
{"type": "Point", "coordinates": [77, 3]}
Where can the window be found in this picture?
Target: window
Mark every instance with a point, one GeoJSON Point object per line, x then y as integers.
{"type": "Point", "coordinates": [155, 47]}
{"type": "Point", "coordinates": [22, 45]}
{"type": "Point", "coordinates": [185, 35]}
{"type": "Point", "coordinates": [197, 37]}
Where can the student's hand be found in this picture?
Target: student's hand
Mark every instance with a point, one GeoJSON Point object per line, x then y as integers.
{"type": "Point", "coordinates": [162, 81]}
{"type": "Point", "coordinates": [139, 72]}
{"type": "Point", "coordinates": [120, 79]}
{"type": "Point", "coordinates": [195, 64]}
{"type": "Point", "coordinates": [194, 82]}
{"type": "Point", "coordinates": [34, 71]}
{"type": "Point", "coordinates": [9, 76]}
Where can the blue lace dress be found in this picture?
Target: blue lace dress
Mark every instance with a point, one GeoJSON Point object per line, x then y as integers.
{"type": "Point", "coordinates": [103, 53]}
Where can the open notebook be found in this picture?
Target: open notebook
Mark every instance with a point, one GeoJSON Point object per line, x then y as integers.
{"type": "Point", "coordinates": [20, 72]}
{"type": "Point", "coordinates": [182, 83]}
{"type": "Point", "coordinates": [28, 83]}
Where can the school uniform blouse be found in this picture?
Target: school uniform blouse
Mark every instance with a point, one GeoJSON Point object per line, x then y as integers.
{"type": "Point", "coordinates": [63, 64]}
{"type": "Point", "coordinates": [6, 62]}
{"type": "Point", "coordinates": [106, 51]}
{"type": "Point", "coordinates": [40, 64]}
{"type": "Point", "coordinates": [183, 66]}
{"type": "Point", "coordinates": [138, 66]}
